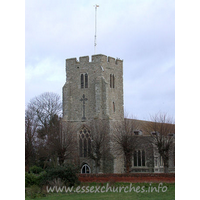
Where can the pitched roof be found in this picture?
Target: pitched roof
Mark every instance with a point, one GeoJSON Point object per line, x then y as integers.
{"type": "Point", "coordinates": [147, 127]}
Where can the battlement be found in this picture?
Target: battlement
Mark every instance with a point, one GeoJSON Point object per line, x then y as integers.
{"type": "Point", "coordinates": [95, 58]}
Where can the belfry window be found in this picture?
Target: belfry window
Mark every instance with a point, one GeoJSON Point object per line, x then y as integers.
{"type": "Point", "coordinates": [113, 81]}
{"type": "Point", "coordinates": [84, 80]}
{"type": "Point", "coordinates": [84, 142]}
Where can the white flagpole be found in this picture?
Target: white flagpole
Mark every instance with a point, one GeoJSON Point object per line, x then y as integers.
{"type": "Point", "coordinates": [95, 36]}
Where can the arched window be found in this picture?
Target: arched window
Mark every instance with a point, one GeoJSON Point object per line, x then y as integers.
{"type": "Point", "coordinates": [85, 169]}
{"type": "Point", "coordinates": [86, 80]}
{"type": "Point", "coordinates": [84, 142]}
{"type": "Point", "coordinates": [82, 81]}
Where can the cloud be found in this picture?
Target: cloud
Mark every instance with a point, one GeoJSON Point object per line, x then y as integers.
{"type": "Point", "coordinates": [140, 32]}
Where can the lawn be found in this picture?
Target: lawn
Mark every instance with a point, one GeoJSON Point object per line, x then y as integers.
{"type": "Point", "coordinates": [144, 191]}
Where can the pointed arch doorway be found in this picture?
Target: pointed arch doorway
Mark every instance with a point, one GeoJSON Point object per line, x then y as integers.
{"type": "Point", "coordinates": [85, 169]}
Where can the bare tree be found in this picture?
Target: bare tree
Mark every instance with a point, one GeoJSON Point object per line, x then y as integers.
{"type": "Point", "coordinates": [66, 144]}
{"type": "Point", "coordinates": [53, 137]}
{"type": "Point", "coordinates": [100, 141]}
{"type": "Point", "coordinates": [49, 140]}
{"type": "Point", "coordinates": [162, 130]}
{"type": "Point", "coordinates": [45, 106]}
{"type": "Point", "coordinates": [44, 109]}
{"type": "Point", "coordinates": [123, 140]}
{"type": "Point", "coordinates": [30, 138]}
{"type": "Point", "coordinates": [60, 143]}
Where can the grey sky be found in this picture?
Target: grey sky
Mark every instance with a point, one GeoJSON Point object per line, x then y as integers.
{"type": "Point", "coordinates": [141, 32]}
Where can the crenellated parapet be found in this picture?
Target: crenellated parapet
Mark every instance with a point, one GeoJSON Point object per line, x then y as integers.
{"type": "Point", "coordinates": [99, 58]}
{"type": "Point", "coordinates": [113, 60]}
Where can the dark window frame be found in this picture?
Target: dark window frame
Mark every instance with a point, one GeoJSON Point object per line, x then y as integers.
{"type": "Point", "coordinates": [139, 158]}
{"type": "Point", "coordinates": [86, 80]}
{"type": "Point", "coordinates": [82, 81]}
{"type": "Point", "coordinates": [112, 81]}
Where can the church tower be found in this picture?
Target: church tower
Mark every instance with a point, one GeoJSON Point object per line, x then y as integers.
{"type": "Point", "coordinates": [93, 90]}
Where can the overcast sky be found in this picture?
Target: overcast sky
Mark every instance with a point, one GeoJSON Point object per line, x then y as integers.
{"type": "Point", "coordinates": [141, 32]}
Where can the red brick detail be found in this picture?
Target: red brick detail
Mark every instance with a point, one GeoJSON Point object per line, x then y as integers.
{"type": "Point", "coordinates": [129, 178]}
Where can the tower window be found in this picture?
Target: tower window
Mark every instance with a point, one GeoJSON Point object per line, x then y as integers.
{"type": "Point", "coordinates": [85, 147]}
{"type": "Point", "coordinates": [112, 81]}
{"type": "Point", "coordinates": [113, 106]}
{"type": "Point", "coordinates": [84, 80]}
{"type": "Point", "coordinates": [84, 142]}
{"type": "Point", "coordinates": [89, 146]}
{"type": "Point", "coordinates": [80, 147]}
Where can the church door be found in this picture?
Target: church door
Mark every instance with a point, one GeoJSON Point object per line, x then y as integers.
{"type": "Point", "coordinates": [85, 169]}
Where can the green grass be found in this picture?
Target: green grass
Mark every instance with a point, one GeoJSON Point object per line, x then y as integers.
{"type": "Point", "coordinates": [146, 195]}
